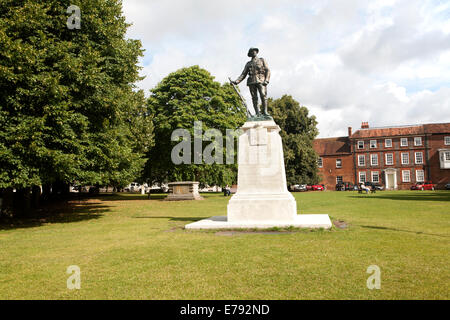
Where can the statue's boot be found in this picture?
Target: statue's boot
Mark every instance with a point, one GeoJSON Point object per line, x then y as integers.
{"type": "Point", "coordinates": [256, 107]}
{"type": "Point", "coordinates": [264, 107]}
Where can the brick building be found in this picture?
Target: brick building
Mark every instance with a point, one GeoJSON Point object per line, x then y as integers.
{"type": "Point", "coordinates": [396, 157]}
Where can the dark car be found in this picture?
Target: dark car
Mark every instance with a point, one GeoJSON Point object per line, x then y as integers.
{"type": "Point", "coordinates": [374, 186]}
{"type": "Point", "coordinates": [345, 186]}
{"type": "Point", "coordinates": [423, 186]}
{"type": "Point", "coordinates": [447, 186]}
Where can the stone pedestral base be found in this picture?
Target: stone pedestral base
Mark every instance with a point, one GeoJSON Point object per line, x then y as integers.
{"type": "Point", "coordinates": [312, 221]}
{"type": "Point", "coordinates": [183, 190]}
{"type": "Point", "coordinates": [262, 193]}
{"type": "Point", "coordinates": [262, 199]}
{"type": "Point", "coordinates": [256, 208]}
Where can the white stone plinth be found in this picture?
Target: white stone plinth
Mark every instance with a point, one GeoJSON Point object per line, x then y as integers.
{"type": "Point", "coordinates": [262, 199]}
{"type": "Point", "coordinates": [300, 221]}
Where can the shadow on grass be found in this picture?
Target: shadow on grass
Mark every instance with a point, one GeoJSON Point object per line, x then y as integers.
{"type": "Point", "coordinates": [438, 196]}
{"type": "Point", "coordinates": [130, 197]}
{"type": "Point", "coordinates": [401, 230]}
{"type": "Point", "coordinates": [66, 212]}
{"type": "Point", "coordinates": [172, 218]}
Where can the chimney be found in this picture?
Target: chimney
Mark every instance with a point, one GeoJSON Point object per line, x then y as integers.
{"type": "Point", "coordinates": [349, 131]}
{"type": "Point", "coordinates": [364, 125]}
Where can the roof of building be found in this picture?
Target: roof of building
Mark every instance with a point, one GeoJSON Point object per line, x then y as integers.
{"type": "Point", "coordinates": [402, 130]}
{"type": "Point", "coordinates": [437, 127]}
{"type": "Point", "coordinates": [332, 146]}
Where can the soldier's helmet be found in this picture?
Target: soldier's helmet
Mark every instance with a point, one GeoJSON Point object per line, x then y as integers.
{"type": "Point", "coordinates": [252, 49]}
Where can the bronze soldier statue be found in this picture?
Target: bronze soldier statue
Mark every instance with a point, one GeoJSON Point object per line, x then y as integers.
{"type": "Point", "coordinates": [258, 78]}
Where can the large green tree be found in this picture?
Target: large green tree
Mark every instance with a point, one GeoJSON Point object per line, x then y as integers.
{"type": "Point", "coordinates": [183, 97]}
{"type": "Point", "coordinates": [298, 130]}
{"type": "Point", "coordinates": [69, 109]}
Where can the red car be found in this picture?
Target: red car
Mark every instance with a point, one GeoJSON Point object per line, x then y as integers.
{"type": "Point", "coordinates": [423, 186]}
{"type": "Point", "coordinates": [317, 187]}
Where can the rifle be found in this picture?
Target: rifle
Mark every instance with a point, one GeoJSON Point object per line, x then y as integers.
{"type": "Point", "coordinates": [240, 96]}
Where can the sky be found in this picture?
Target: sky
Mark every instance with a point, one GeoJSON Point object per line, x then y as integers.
{"type": "Point", "coordinates": [386, 62]}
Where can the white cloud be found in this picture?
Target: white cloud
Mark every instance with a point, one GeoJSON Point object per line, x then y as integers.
{"type": "Point", "coordinates": [386, 62]}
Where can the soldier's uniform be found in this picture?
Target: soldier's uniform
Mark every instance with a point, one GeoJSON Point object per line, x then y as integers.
{"type": "Point", "coordinates": [258, 77]}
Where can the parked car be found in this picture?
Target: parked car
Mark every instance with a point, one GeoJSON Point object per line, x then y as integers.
{"type": "Point", "coordinates": [345, 186]}
{"type": "Point", "coordinates": [374, 186]}
{"type": "Point", "coordinates": [447, 186]}
{"type": "Point", "coordinates": [423, 186]}
{"type": "Point", "coordinates": [298, 187]}
{"type": "Point", "coordinates": [317, 187]}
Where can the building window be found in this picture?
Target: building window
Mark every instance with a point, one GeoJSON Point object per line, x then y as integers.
{"type": "Point", "coordinates": [444, 157]}
{"type": "Point", "coordinates": [362, 177]}
{"type": "Point", "coordinates": [388, 143]}
{"type": "Point", "coordinates": [339, 180]}
{"type": "Point", "coordinates": [361, 160]}
{"type": "Point", "coordinates": [406, 176]}
{"type": "Point", "coordinates": [374, 159]}
{"type": "Point", "coordinates": [420, 177]}
{"type": "Point", "coordinates": [389, 158]}
{"type": "Point", "coordinates": [373, 143]}
{"type": "Point", "coordinates": [375, 176]}
{"type": "Point", "coordinates": [405, 158]}
{"type": "Point", "coordinates": [447, 141]}
{"type": "Point", "coordinates": [417, 141]}
{"type": "Point", "coordinates": [338, 163]}
{"type": "Point", "coordinates": [404, 142]}
{"type": "Point", "coordinates": [360, 144]}
{"type": "Point", "coordinates": [320, 162]}
{"type": "Point", "coordinates": [419, 158]}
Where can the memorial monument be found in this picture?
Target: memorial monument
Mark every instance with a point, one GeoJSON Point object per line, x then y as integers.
{"type": "Point", "coordinates": [262, 199]}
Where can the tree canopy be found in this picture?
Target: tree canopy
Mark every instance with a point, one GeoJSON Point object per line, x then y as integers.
{"type": "Point", "coordinates": [298, 130]}
{"type": "Point", "coordinates": [69, 109]}
{"type": "Point", "coordinates": [183, 97]}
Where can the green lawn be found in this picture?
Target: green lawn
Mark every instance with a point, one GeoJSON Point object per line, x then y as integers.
{"type": "Point", "coordinates": [129, 247]}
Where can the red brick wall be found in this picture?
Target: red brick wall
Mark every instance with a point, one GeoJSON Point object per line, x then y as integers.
{"type": "Point", "coordinates": [437, 175]}
{"type": "Point", "coordinates": [396, 150]}
{"type": "Point", "coordinates": [429, 148]}
{"type": "Point", "coordinates": [329, 172]}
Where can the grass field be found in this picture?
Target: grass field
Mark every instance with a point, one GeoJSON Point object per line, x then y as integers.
{"type": "Point", "coordinates": [128, 247]}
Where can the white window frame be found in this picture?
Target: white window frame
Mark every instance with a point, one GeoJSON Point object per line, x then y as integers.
{"type": "Point", "coordinates": [362, 173]}
{"type": "Point", "coordinates": [337, 180]}
{"type": "Point", "coordinates": [361, 156]}
{"type": "Point", "coordinates": [372, 157]}
{"type": "Point", "coordinates": [373, 144]}
{"type": "Point", "coordinates": [401, 142]}
{"type": "Point", "coordinates": [406, 178]}
{"type": "Point", "coordinates": [386, 159]}
{"type": "Point", "coordinates": [386, 145]}
{"type": "Point", "coordinates": [447, 140]}
{"type": "Point", "coordinates": [320, 162]}
{"type": "Point", "coordinates": [358, 143]}
{"type": "Point", "coordinates": [417, 176]}
{"type": "Point", "coordinates": [417, 141]}
{"type": "Point", "coordinates": [340, 165]}
{"type": "Point", "coordinates": [401, 156]}
{"type": "Point", "coordinates": [377, 174]}
{"type": "Point", "coordinates": [444, 158]}
{"type": "Point", "coordinates": [415, 157]}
